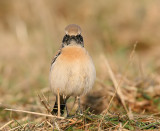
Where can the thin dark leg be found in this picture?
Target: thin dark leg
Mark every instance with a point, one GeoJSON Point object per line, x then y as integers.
{"type": "Point", "coordinates": [62, 106]}
{"type": "Point", "coordinates": [67, 111]}
{"type": "Point", "coordinates": [55, 108]}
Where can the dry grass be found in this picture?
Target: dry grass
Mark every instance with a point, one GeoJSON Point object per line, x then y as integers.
{"type": "Point", "coordinates": [127, 86]}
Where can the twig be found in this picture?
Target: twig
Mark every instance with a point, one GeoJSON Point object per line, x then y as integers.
{"type": "Point", "coordinates": [43, 102]}
{"type": "Point", "coordinates": [46, 100]}
{"type": "Point", "coordinates": [57, 126]}
{"type": "Point", "coordinates": [116, 84]}
{"type": "Point", "coordinates": [125, 124]}
{"type": "Point", "coordinates": [49, 124]}
{"type": "Point", "coordinates": [34, 113]}
{"type": "Point", "coordinates": [13, 129]}
{"type": "Point", "coordinates": [6, 124]}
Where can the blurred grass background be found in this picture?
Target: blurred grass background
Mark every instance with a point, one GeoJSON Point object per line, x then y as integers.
{"type": "Point", "coordinates": [31, 32]}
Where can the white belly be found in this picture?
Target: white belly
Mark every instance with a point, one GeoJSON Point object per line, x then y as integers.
{"type": "Point", "coordinates": [72, 76]}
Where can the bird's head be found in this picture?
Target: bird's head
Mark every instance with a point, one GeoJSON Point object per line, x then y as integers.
{"type": "Point", "coordinates": [72, 36]}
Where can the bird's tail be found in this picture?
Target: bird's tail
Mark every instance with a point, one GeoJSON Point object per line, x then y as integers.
{"type": "Point", "coordinates": [62, 105]}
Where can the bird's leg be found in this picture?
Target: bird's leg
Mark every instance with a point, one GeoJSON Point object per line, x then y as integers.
{"type": "Point", "coordinates": [60, 104]}
{"type": "Point", "coordinates": [79, 105]}
{"type": "Point", "coordinates": [55, 108]}
{"type": "Point", "coordinates": [67, 111]}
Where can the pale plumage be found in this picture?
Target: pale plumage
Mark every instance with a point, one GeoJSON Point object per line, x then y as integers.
{"type": "Point", "coordinates": [72, 70]}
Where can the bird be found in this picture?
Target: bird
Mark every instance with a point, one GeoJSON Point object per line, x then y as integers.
{"type": "Point", "coordinates": [72, 71]}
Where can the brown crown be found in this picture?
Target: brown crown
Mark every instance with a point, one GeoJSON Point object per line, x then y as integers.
{"type": "Point", "coordinates": [73, 30]}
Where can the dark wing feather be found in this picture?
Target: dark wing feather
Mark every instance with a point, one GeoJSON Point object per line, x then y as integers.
{"type": "Point", "coordinates": [58, 53]}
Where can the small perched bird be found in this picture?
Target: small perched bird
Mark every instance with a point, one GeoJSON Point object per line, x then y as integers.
{"type": "Point", "coordinates": [72, 71]}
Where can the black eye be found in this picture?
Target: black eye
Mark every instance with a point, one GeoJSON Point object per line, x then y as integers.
{"type": "Point", "coordinates": [66, 38]}
{"type": "Point", "coordinates": [79, 38]}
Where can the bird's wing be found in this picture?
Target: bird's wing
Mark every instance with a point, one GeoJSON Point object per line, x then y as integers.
{"type": "Point", "coordinates": [55, 57]}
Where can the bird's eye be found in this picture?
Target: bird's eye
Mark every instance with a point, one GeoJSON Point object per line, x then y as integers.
{"type": "Point", "coordinates": [66, 38]}
{"type": "Point", "coordinates": [79, 38]}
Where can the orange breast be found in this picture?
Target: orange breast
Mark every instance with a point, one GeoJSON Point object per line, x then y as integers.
{"type": "Point", "coordinates": [73, 53]}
